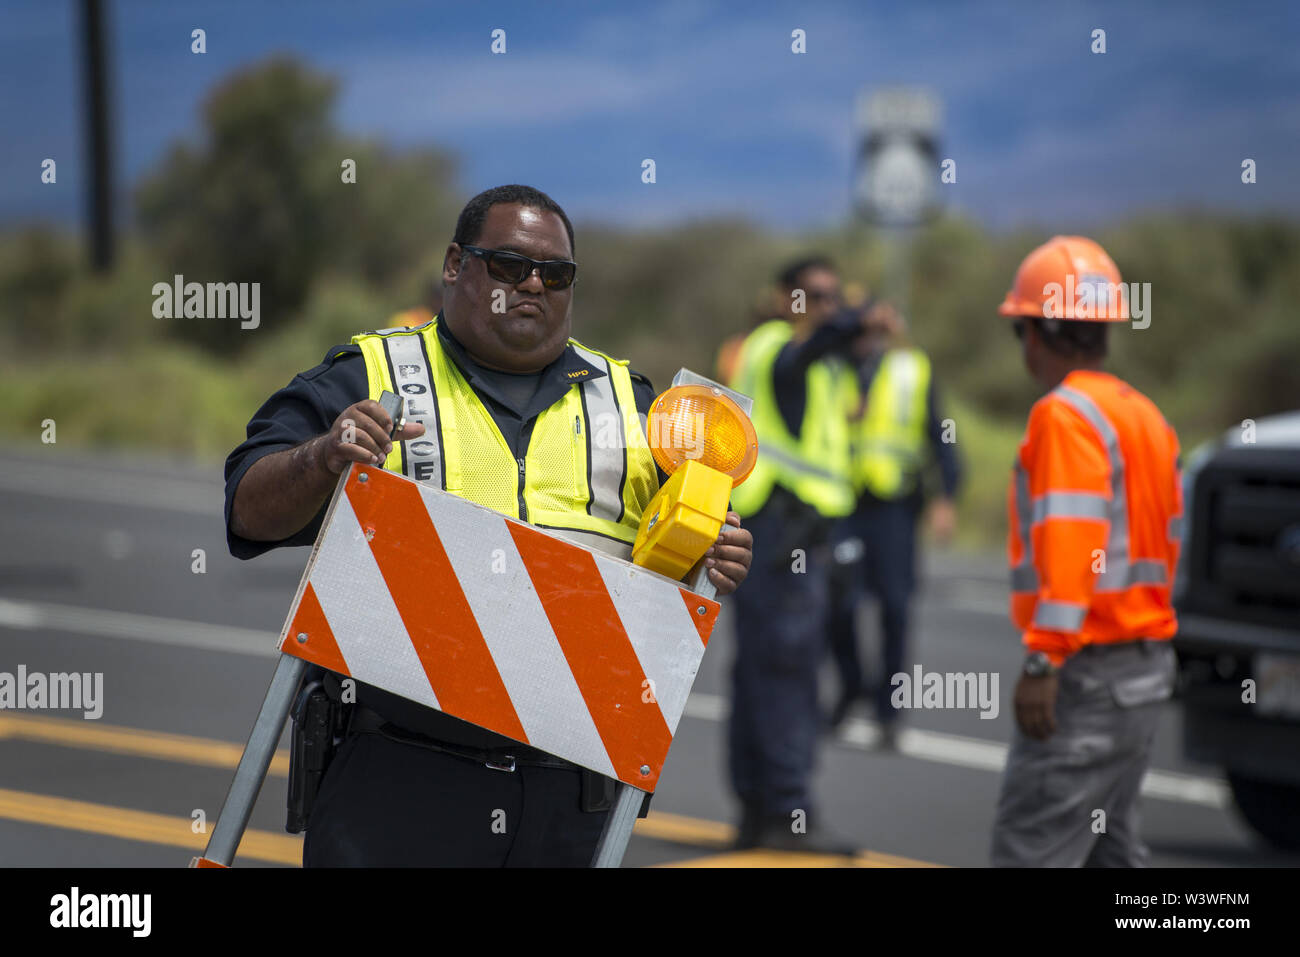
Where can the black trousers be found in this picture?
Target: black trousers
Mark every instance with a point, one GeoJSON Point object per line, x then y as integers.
{"type": "Point", "coordinates": [887, 530]}
{"type": "Point", "coordinates": [385, 803]}
{"type": "Point", "coordinates": [780, 641]}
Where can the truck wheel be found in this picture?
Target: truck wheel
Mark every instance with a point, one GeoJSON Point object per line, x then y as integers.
{"type": "Point", "coordinates": [1270, 808]}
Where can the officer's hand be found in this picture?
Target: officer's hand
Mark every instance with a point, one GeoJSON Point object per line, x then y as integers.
{"type": "Point", "coordinates": [881, 319]}
{"type": "Point", "coordinates": [728, 559]}
{"type": "Point", "coordinates": [943, 520]}
{"type": "Point", "coordinates": [1036, 705]}
{"type": "Point", "coordinates": [360, 434]}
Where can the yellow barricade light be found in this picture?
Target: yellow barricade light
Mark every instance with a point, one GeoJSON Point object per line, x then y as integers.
{"type": "Point", "coordinates": [707, 445]}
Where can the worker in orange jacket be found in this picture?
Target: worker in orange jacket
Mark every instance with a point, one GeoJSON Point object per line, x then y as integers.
{"type": "Point", "coordinates": [1095, 509]}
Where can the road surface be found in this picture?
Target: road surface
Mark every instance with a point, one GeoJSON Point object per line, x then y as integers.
{"type": "Point", "coordinates": [100, 573]}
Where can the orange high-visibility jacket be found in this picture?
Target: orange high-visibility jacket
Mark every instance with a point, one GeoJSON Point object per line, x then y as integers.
{"type": "Point", "coordinates": [1096, 514]}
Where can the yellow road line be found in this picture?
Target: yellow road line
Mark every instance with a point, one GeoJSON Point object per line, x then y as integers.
{"type": "Point", "coordinates": [211, 752]}
{"type": "Point", "coordinates": [763, 858]}
{"type": "Point", "coordinates": [151, 828]}
{"type": "Point", "coordinates": [760, 857]}
{"type": "Point", "coordinates": [139, 826]}
{"type": "Point", "coordinates": [876, 859]}
{"type": "Point", "coordinates": [92, 735]}
{"type": "Point", "coordinates": [678, 829]}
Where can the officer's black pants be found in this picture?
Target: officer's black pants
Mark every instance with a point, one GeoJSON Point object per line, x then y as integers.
{"type": "Point", "coordinates": [887, 530]}
{"type": "Point", "coordinates": [387, 804]}
{"type": "Point", "coordinates": [780, 616]}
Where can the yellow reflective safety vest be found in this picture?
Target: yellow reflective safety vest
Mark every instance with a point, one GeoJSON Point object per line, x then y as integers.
{"type": "Point", "coordinates": [815, 464]}
{"type": "Point", "coordinates": [889, 440]}
{"type": "Point", "coordinates": [587, 471]}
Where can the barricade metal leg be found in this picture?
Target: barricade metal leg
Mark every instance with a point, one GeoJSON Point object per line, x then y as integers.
{"type": "Point", "coordinates": [627, 799]}
{"type": "Point", "coordinates": [618, 826]}
{"type": "Point", "coordinates": [262, 742]}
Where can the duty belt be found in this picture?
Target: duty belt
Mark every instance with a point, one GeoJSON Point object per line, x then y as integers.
{"type": "Point", "coordinates": [366, 721]}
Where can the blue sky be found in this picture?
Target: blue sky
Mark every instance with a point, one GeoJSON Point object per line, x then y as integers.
{"type": "Point", "coordinates": [1043, 131]}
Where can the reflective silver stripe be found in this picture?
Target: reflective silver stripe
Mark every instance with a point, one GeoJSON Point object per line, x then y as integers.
{"type": "Point", "coordinates": [1148, 571]}
{"type": "Point", "coordinates": [1144, 571]}
{"type": "Point", "coordinates": [797, 464]}
{"type": "Point", "coordinates": [1070, 505]}
{"type": "Point", "coordinates": [1024, 578]}
{"type": "Point", "coordinates": [1177, 526]}
{"type": "Point", "coordinates": [1117, 543]}
{"type": "Point", "coordinates": [606, 441]}
{"type": "Point", "coordinates": [412, 380]}
{"type": "Point", "coordinates": [1059, 615]}
{"type": "Point", "coordinates": [905, 374]}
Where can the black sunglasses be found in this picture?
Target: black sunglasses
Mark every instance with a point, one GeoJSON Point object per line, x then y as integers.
{"type": "Point", "coordinates": [1018, 327]}
{"type": "Point", "coordinates": [513, 268]}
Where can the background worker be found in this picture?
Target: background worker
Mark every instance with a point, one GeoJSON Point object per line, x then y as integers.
{"type": "Point", "coordinates": [426, 311]}
{"type": "Point", "coordinates": [897, 431]}
{"type": "Point", "coordinates": [767, 303]}
{"type": "Point", "coordinates": [1095, 508]}
{"type": "Point", "coordinates": [794, 369]}
{"type": "Point", "coordinates": [412, 786]}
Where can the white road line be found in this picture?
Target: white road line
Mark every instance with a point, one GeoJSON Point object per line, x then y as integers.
{"type": "Point", "coordinates": [112, 487]}
{"type": "Point", "coordinates": [981, 754]}
{"type": "Point", "coordinates": [858, 733]}
{"type": "Point", "coordinates": [976, 606]}
{"type": "Point", "coordinates": [980, 597]}
{"type": "Point", "coordinates": [42, 616]}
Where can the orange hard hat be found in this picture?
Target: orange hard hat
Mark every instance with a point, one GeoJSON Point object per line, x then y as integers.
{"type": "Point", "coordinates": [1068, 277]}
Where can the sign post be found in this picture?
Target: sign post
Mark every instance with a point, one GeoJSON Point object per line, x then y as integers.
{"type": "Point", "coordinates": [895, 186]}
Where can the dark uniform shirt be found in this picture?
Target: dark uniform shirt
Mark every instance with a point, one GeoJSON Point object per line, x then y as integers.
{"type": "Point", "coordinates": [308, 406]}
{"type": "Point", "coordinates": [790, 369]}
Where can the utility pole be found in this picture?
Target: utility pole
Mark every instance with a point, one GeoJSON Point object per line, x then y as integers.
{"type": "Point", "coordinates": [99, 153]}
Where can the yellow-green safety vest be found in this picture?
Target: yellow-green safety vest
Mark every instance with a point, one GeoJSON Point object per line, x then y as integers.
{"type": "Point", "coordinates": [587, 471]}
{"type": "Point", "coordinates": [814, 465]}
{"type": "Point", "coordinates": [889, 440]}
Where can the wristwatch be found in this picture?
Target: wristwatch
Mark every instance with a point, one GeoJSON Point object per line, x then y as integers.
{"type": "Point", "coordinates": [1037, 665]}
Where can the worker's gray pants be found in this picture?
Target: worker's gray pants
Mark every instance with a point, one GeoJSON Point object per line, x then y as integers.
{"type": "Point", "coordinates": [1106, 714]}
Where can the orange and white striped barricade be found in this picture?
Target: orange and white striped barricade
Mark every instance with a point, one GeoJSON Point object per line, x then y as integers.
{"type": "Point", "coordinates": [504, 625]}
{"type": "Point", "coordinates": [458, 608]}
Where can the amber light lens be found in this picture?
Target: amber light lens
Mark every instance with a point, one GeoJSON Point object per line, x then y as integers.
{"type": "Point", "coordinates": [697, 423]}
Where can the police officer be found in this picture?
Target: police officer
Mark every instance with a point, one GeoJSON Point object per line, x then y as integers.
{"type": "Point", "coordinates": [896, 431]}
{"type": "Point", "coordinates": [1095, 510]}
{"type": "Point", "coordinates": [492, 385]}
{"type": "Point", "coordinates": [794, 368]}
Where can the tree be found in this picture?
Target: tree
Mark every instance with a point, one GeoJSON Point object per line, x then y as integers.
{"type": "Point", "coordinates": [263, 198]}
{"type": "Point", "coordinates": [249, 204]}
